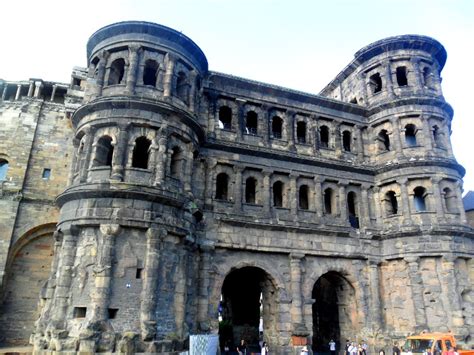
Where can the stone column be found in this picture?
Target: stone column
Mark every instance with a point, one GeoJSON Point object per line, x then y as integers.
{"type": "Point", "coordinates": [133, 57]}
{"type": "Point", "coordinates": [438, 200]}
{"type": "Point", "coordinates": [203, 291]}
{"type": "Point", "coordinates": [240, 118]}
{"type": "Point", "coordinates": [389, 83]}
{"type": "Point", "coordinates": [294, 198]}
{"type": "Point", "coordinates": [267, 174]}
{"type": "Point", "coordinates": [397, 139]}
{"type": "Point", "coordinates": [318, 196]}
{"type": "Point", "coordinates": [188, 168]}
{"type": "Point", "coordinates": [462, 212]}
{"type": "Point", "coordinates": [18, 92]}
{"type": "Point", "coordinates": [343, 202]}
{"type": "Point", "coordinates": [160, 160]}
{"type": "Point", "coordinates": [38, 87]}
{"type": "Point", "coordinates": [64, 276]}
{"type": "Point", "coordinates": [238, 188]}
{"type": "Point", "coordinates": [120, 151]}
{"type": "Point", "coordinates": [211, 163]}
{"type": "Point", "coordinates": [180, 294]}
{"type": "Point", "coordinates": [31, 88]}
{"type": "Point", "coordinates": [264, 129]}
{"type": "Point", "coordinates": [72, 170]}
{"type": "Point", "coordinates": [4, 93]}
{"type": "Point", "coordinates": [213, 116]}
{"type": "Point", "coordinates": [405, 200]}
{"type": "Point", "coordinates": [337, 139]}
{"type": "Point", "coordinates": [168, 80]}
{"type": "Point", "coordinates": [377, 204]}
{"type": "Point", "coordinates": [192, 90]}
{"type": "Point", "coordinates": [418, 82]}
{"type": "Point", "coordinates": [291, 130]}
{"type": "Point", "coordinates": [450, 287]}
{"type": "Point", "coordinates": [363, 79]}
{"type": "Point", "coordinates": [103, 56]}
{"type": "Point", "coordinates": [416, 284]}
{"type": "Point", "coordinates": [154, 237]}
{"type": "Point", "coordinates": [100, 296]}
{"type": "Point", "coordinates": [53, 94]}
{"type": "Point", "coordinates": [428, 134]}
{"type": "Point", "coordinates": [364, 205]}
{"type": "Point", "coordinates": [375, 306]}
{"type": "Point", "coordinates": [296, 312]}
{"type": "Point", "coordinates": [87, 153]}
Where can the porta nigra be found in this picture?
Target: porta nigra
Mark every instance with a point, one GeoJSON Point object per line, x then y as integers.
{"type": "Point", "coordinates": [151, 198]}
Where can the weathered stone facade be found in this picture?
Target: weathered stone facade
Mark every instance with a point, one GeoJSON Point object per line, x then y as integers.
{"type": "Point", "coordinates": [187, 196]}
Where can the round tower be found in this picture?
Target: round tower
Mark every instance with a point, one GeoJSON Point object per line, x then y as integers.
{"type": "Point", "coordinates": [126, 234]}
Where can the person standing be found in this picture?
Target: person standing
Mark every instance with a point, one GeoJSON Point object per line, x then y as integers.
{"type": "Point", "coordinates": [364, 347]}
{"type": "Point", "coordinates": [353, 349]}
{"type": "Point", "coordinates": [242, 348]}
{"type": "Point", "coordinates": [395, 349]}
{"type": "Point", "coordinates": [332, 347]}
{"type": "Point", "coordinates": [264, 349]}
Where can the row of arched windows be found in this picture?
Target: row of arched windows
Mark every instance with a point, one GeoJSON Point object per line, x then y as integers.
{"type": "Point", "coordinates": [278, 129]}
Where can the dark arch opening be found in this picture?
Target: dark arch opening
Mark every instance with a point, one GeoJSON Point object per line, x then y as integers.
{"type": "Point", "coordinates": [301, 132]}
{"type": "Point", "coordinates": [182, 87]}
{"type": "Point", "coordinates": [410, 135]}
{"type": "Point", "coordinates": [247, 304]}
{"type": "Point", "coordinates": [329, 201]}
{"type": "Point", "coordinates": [324, 136]}
{"type": "Point", "coordinates": [375, 83]}
{"type": "Point", "coordinates": [391, 203]}
{"type": "Point", "coordinates": [334, 310]}
{"type": "Point", "coordinates": [141, 153]}
{"type": "Point", "coordinates": [352, 209]}
{"type": "Point", "coordinates": [251, 123]}
{"type": "Point", "coordinates": [222, 182]}
{"type": "Point", "coordinates": [346, 141]}
{"type": "Point", "coordinates": [303, 197]}
{"type": "Point", "coordinates": [150, 73]}
{"type": "Point", "coordinates": [419, 197]}
{"type": "Point", "coordinates": [250, 190]}
{"type": "Point", "coordinates": [402, 79]}
{"type": "Point", "coordinates": [277, 127]}
{"type": "Point", "coordinates": [104, 152]}
{"type": "Point", "coordinates": [176, 163]}
{"type": "Point", "coordinates": [278, 194]}
{"type": "Point", "coordinates": [3, 169]}
{"type": "Point", "coordinates": [225, 117]}
{"type": "Point", "coordinates": [384, 140]}
{"type": "Point", "coordinates": [117, 71]}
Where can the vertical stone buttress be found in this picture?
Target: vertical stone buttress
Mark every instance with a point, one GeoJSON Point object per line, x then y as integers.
{"type": "Point", "coordinates": [416, 284]}
{"type": "Point", "coordinates": [299, 328]}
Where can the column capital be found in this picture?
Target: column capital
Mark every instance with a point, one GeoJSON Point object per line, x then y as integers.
{"type": "Point", "coordinates": [296, 256]}
{"type": "Point", "coordinates": [71, 229]}
{"type": "Point", "coordinates": [134, 48]}
{"type": "Point", "coordinates": [342, 183]}
{"type": "Point", "coordinates": [238, 168]}
{"type": "Point", "coordinates": [402, 181]}
{"type": "Point", "coordinates": [155, 233]}
{"type": "Point", "coordinates": [449, 258]}
{"type": "Point", "coordinates": [104, 54]}
{"type": "Point", "coordinates": [435, 180]}
{"type": "Point", "coordinates": [412, 259]}
{"type": "Point", "coordinates": [110, 230]}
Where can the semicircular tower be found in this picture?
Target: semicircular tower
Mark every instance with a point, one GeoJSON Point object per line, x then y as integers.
{"type": "Point", "coordinates": [128, 217]}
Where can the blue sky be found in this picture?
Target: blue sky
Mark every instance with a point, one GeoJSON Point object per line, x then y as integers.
{"type": "Point", "coordinates": [297, 44]}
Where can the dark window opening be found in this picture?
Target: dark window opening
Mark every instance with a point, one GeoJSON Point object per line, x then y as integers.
{"type": "Point", "coordinates": [384, 140]}
{"type": "Point", "coordinates": [278, 194]}
{"type": "Point", "coordinates": [150, 73]}
{"type": "Point", "coordinates": [141, 153]}
{"type": "Point", "coordinates": [346, 141]}
{"type": "Point", "coordinates": [80, 312]}
{"type": "Point", "coordinates": [182, 87]}
{"type": "Point", "coordinates": [410, 135]}
{"type": "Point", "coordinates": [59, 95]}
{"type": "Point", "coordinates": [402, 76]}
{"type": "Point", "coordinates": [419, 199]}
{"type": "Point", "coordinates": [427, 77]}
{"type": "Point", "coordinates": [222, 182]}
{"type": "Point", "coordinates": [301, 132]}
{"type": "Point", "coordinates": [391, 203]}
{"type": "Point", "coordinates": [450, 200]}
{"type": "Point", "coordinates": [375, 83]}
{"type": "Point", "coordinates": [3, 169]}
{"type": "Point", "coordinates": [116, 72]}
{"type": "Point", "coordinates": [303, 197]}
{"type": "Point", "coordinates": [176, 163]}
{"type": "Point", "coordinates": [76, 82]}
{"type": "Point", "coordinates": [46, 174]}
{"type": "Point", "coordinates": [277, 127]}
{"type": "Point", "coordinates": [112, 313]}
{"type": "Point", "coordinates": [225, 117]}
{"type": "Point", "coordinates": [250, 190]}
{"type": "Point", "coordinates": [328, 201]}
{"type": "Point", "coordinates": [251, 123]}
{"type": "Point", "coordinates": [324, 136]}
{"type": "Point", "coordinates": [354, 101]}
{"type": "Point", "coordinates": [10, 92]}
{"type": "Point", "coordinates": [104, 152]}
{"type": "Point", "coordinates": [139, 273]}
{"type": "Point", "coordinates": [352, 209]}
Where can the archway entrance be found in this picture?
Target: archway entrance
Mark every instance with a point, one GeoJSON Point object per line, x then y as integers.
{"type": "Point", "coordinates": [27, 274]}
{"type": "Point", "coordinates": [334, 311]}
{"type": "Point", "coordinates": [248, 308]}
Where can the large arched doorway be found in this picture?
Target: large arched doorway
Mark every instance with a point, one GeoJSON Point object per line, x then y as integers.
{"type": "Point", "coordinates": [248, 308]}
{"type": "Point", "coordinates": [334, 311]}
{"type": "Point", "coordinates": [28, 270]}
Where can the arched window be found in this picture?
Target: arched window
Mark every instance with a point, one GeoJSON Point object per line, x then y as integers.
{"type": "Point", "coordinates": [278, 194]}
{"type": "Point", "coordinates": [419, 198]}
{"type": "Point", "coordinates": [450, 200]}
{"type": "Point", "coordinates": [182, 87]}
{"type": "Point", "coordinates": [116, 71]}
{"type": "Point", "coordinates": [150, 72]}
{"type": "Point", "coordinates": [384, 141]}
{"type": "Point", "coordinates": [3, 169]}
{"type": "Point", "coordinates": [301, 132]}
{"type": "Point", "coordinates": [176, 163]}
{"type": "Point", "coordinates": [104, 152]}
{"type": "Point", "coordinates": [250, 190]}
{"type": "Point", "coordinates": [251, 123]}
{"type": "Point", "coordinates": [410, 135]}
{"type": "Point", "coordinates": [329, 201]}
{"type": "Point", "coordinates": [225, 117]}
{"type": "Point", "coordinates": [222, 183]}
{"type": "Point", "coordinates": [324, 136]}
{"type": "Point", "coordinates": [352, 209]}
{"type": "Point", "coordinates": [277, 127]}
{"type": "Point", "coordinates": [391, 203]}
{"type": "Point", "coordinates": [303, 197]}
{"type": "Point", "coordinates": [375, 83]}
{"type": "Point", "coordinates": [141, 153]}
{"type": "Point", "coordinates": [402, 79]}
{"type": "Point", "coordinates": [346, 141]}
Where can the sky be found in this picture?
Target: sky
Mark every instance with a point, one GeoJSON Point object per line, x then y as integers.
{"type": "Point", "coordinates": [298, 44]}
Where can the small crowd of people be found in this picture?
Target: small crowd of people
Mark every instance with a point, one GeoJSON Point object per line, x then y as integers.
{"type": "Point", "coordinates": [352, 348]}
